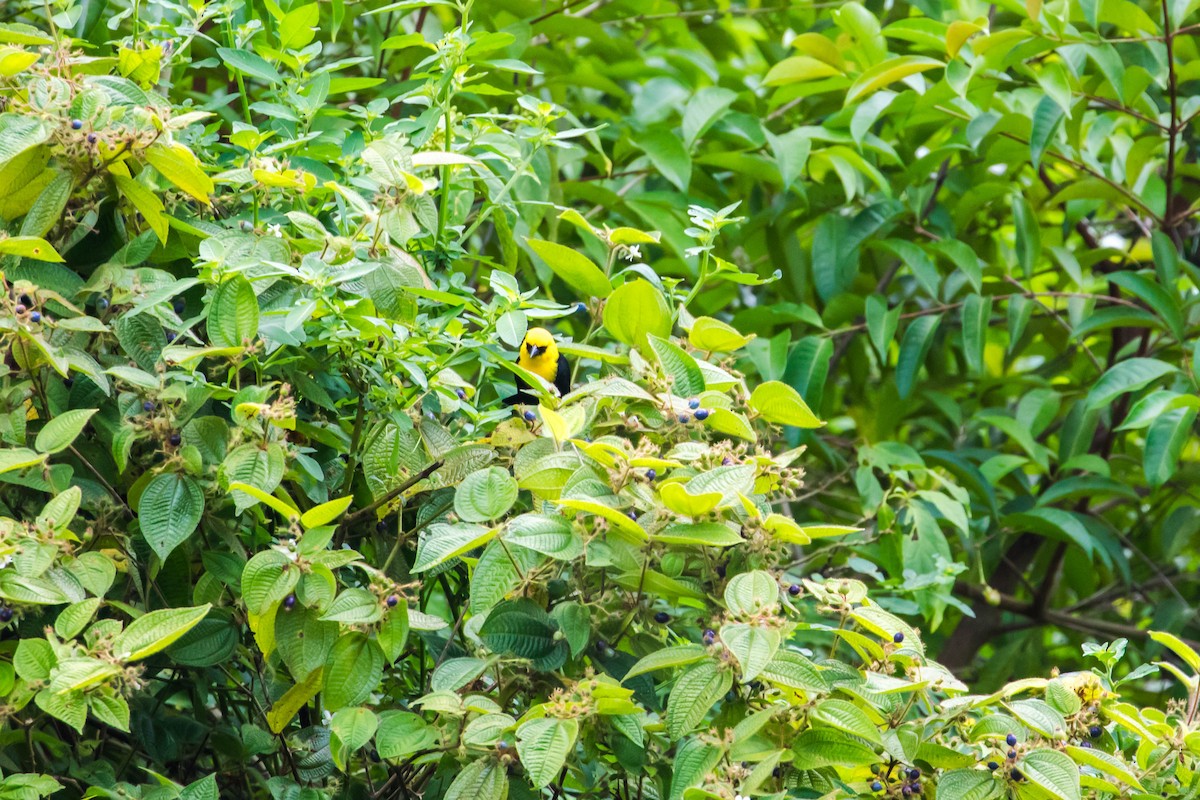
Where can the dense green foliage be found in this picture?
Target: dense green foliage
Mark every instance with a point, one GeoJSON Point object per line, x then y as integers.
{"type": "Point", "coordinates": [267, 529]}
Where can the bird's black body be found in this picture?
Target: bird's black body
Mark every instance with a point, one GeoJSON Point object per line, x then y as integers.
{"type": "Point", "coordinates": [562, 382]}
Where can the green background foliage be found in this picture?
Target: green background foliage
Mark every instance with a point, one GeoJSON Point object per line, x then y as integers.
{"type": "Point", "coordinates": [876, 474]}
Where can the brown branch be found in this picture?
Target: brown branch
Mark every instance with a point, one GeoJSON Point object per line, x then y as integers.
{"type": "Point", "coordinates": [412, 481]}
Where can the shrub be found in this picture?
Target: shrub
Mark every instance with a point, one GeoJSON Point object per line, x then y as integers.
{"type": "Point", "coordinates": [269, 531]}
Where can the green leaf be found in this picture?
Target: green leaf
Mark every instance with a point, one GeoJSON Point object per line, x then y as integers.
{"type": "Point", "coordinates": [169, 511]}
{"type": "Point", "coordinates": [847, 717]}
{"type": "Point", "coordinates": [1105, 762]}
{"type": "Point", "coordinates": [249, 63]}
{"type": "Point", "coordinates": [299, 26]}
{"type": "Point", "coordinates": [668, 155]}
{"type": "Point", "coordinates": [233, 313]}
{"type": "Point", "coordinates": [678, 656]}
{"type": "Point", "coordinates": [352, 671]}
{"type": "Point", "coordinates": [635, 311]}
{"type": "Point", "coordinates": [751, 593]}
{"type": "Point", "coordinates": [575, 269]}
{"type": "Point", "coordinates": [686, 378]}
{"type": "Point", "coordinates": [155, 631]}
{"type": "Point", "coordinates": [351, 728]}
{"type": "Point", "coordinates": [714, 336]}
{"type": "Point", "coordinates": [976, 313]}
{"type": "Point", "coordinates": [1046, 119]}
{"type": "Point", "coordinates": [444, 542]}
{"type": "Point", "coordinates": [695, 693]}
{"type": "Point", "coordinates": [485, 779]}
{"type": "Point", "coordinates": [730, 423]}
{"type": "Point", "coordinates": [543, 745]}
{"type": "Point", "coordinates": [754, 646]}
{"type": "Point", "coordinates": [817, 748]}
{"type": "Point", "coordinates": [913, 349]}
{"type": "Point", "coordinates": [1028, 234]}
{"type": "Point", "coordinates": [1053, 772]}
{"type": "Point", "coordinates": [888, 72]}
{"type": "Point", "coordinates": [968, 784]}
{"type": "Point", "coordinates": [520, 628]}
{"type": "Point", "coordinates": [47, 209]}
{"type": "Point", "coordinates": [354, 607]}
{"type": "Point", "coordinates": [402, 733]}
{"type": "Point", "coordinates": [694, 762]}
{"type": "Point", "coordinates": [484, 495]}
{"type": "Point", "coordinates": [1127, 376]}
{"type": "Point", "coordinates": [779, 403]}
{"type": "Point", "coordinates": [1159, 299]}
{"type": "Point", "coordinates": [267, 578]}
{"type": "Point", "coordinates": [1164, 444]}
{"type": "Point", "coordinates": [1056, 523]}
{"type": "Point", "coordinates": [29, 247]}
{"type": "Point", "coordinates": [62, 430]}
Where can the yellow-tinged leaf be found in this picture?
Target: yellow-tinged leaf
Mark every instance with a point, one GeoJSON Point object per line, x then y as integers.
{"type": "Point", "coordinates": [819, 47]}
{"type": "Point", "coordinates": [33, 247]}
{"type": "Point", "coordinates": [889, 72]}
{"type": "Point", "coordinates": [619, 519]}
{"type": "Point", "coordinates": [958, 33]}
{"type": "Point", "coordinates": [677, 498]}
{"type": "Point", "coordinates": [294, 699]}
{"type": "Point", "coordinates": [288, 511]}
{"type": "Point", "coordinates": [14, 60]}
{"type": "Point", "coordinates": [799, 68]}
{"type": "Point", "coordinates": [1033, 8]}
{"type": "Point", "coordinates": [326, 512]}
{"type": "Point", "coordinates": [1178, 647]}
{"type": "Point", "coordinates": [555, 424]}
{"type": "Point", "coordinates": [180, 166]}
{"type": "Point", "coordinates": [145, 201]}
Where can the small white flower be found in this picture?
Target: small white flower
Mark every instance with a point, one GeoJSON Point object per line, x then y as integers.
{"type": "Point", "coordinates": [922, 151]}
{"type": "Point", "coordinates": [997, 169]}
{"type": "Point", "coordinates": [275, 230]}
{"type": "Point", "coordinates": [4, 562]}
{"type": "Point", "coordinates": [633, 252]}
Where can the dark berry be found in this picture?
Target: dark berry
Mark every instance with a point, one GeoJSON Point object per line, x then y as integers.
{"type": "Point", "coordinates": [530, 416]}
{"type": "Point", "coordinates": [462, 393]}
{"type": "Point", "coordinates": [580, 308]}
{"type": "Point", "coordinates": [68, 382]}
{"type": "Point", "coordinates": [721, 570]}
{"type": "Point", "coordinates": [102, 303]}
{"type": "Point", "coordinates": [916, 787]}
{"type": "Point", "coordinates": [794, 589]}
{"type": "Point", "coordinates": [289, 601]}
{"type": "Point", "coordinates": [898, 638]}
{"type": "Point", "coordinates": [502, 745]}
{"type": "Point", "coordinates": [558, 588]}
{"type": "Point", "coordinates": [993, 766]}
{"type": "Point", "coordinates": [693, 403]}
{"type": "Point", "coordinates": [392, 600]}
{"type": "Point", "coordinates": [726, 461]}
{"type": "Point", "coordinates": [1095, 731]}
{"type": "Point", "coordinates": [148, 405]}
{"type": "Point", "coordinates": [702, 414]}
{"type": "Point", "coordinates": [906, 790]}
{"type": "Point", "coordinates": [175, 440]}
{"type": "Point", "coordinates": [178, 305]}
{"type": "Point", "coordinates": [76, 124]}
{"type": "Point", "coordinates": [5, 614]}
{"type": "Point", "coordinates": [1011, 754]}
{"type": "Point", "coordinates": [170, 336]}
{"type": "Point", "coordinates": [26, 299]}
{"type": "Point", "coordinates": [683, 419]}
{"type": "Point", "coordinates": [651, 474]}
{"type": "Point", "coordinates": [92, 138]}
{"type": "Point", "coordinates": [1011, 740]}
{"type": "Point", "coordinates": [710, 636]}
{"type": "Point", "coordinates": [876, 786]}
{"type": "Point", "coordinates": [601, 645]}
{"type": "Point", "coordinates": [20, 308]}
{"type": "Point", "coordinates": [632, 515]}
{"type": "Point", "coordinates": [662, 617]}
{"type": "Point", "coordinates": [775, 773]}
{"type": "Point", "coordinates": [1085, 744]}
{"type": "Point", "coordinates": [381, 526]}
{"type": "Point", "coordinates": [914, 773]}
{"type": "Point", "coordinates": [1016, 774]}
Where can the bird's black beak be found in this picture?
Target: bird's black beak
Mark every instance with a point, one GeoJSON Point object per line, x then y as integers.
{"type": "Point", "coordinates": [534, 350]}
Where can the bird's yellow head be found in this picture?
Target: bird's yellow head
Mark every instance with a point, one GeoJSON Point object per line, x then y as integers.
{"type": "Point", "coordinates": [539, 353]}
